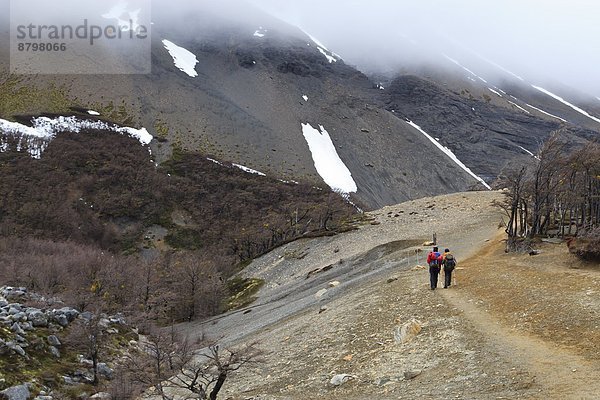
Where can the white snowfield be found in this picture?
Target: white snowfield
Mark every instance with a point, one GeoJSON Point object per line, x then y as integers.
{"type": "Point", "coordinates": [184, 59]}
{"type": "Point", "coordinates": [573, 106]}
{"type": "Point", "coordinates": [450, 154]}
{"type": "Point", "coordinates": [92, 112]}
{"type": "Point", "coordinates": [328, 163]}
{"type": "Point", "coordinates": [47, 128]}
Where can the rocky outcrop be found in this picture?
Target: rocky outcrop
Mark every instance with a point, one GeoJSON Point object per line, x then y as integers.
{"type": "Point", "coordinates": [39, 331]}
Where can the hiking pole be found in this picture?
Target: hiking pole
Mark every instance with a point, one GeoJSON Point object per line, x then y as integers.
{"type": "Point", "coordinates": [454, 277]}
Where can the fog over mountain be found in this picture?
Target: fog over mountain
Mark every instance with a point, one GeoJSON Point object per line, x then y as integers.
{"type": "Point", "coordinates": [545, 42]}
{"type": "Point", "coordinates": [542, 41]}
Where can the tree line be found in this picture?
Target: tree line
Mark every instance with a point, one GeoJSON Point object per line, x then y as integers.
{"type": "Point", "coordinates": [556, 193]}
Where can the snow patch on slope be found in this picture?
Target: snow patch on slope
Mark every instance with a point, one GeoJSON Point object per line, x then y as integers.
{"type": "Point", "coordinates": [328, 163]}
{"type": "Point", "coordinates": [46, 129]}
{"type": "Point", "coordinates": [260, 32]}
{"type": "Point", "coordinates": [545, 112]}
{"type": "Point", "coordinates": [573, 106]}
{"type": "Point", "coordinates": [518, 106]}
{"type": "Point", "coordinates": [248, 170]}
{"type": "Point", "coordinates": [529, 152]}
{"type": "Point", "coordinates": [184, 59]}
{"type": "Point", "coordinates": [495, 92]}
{"type": "Point", "coordinates": [450, 154]}
{"type": "Point", "coordinates": [466, 69]}
{"type": "Point", "coordinates": [321, 47]}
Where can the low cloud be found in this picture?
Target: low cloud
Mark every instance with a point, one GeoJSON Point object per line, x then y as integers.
{"type": "Point", "coordinates": [540, 40]}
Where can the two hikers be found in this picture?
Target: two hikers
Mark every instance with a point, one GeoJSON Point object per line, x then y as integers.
{"type": "Point", "coordinates": [436, 262]}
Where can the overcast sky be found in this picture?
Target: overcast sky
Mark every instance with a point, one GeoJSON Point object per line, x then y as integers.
{"type": "Point", "coordinates": [532, 38]}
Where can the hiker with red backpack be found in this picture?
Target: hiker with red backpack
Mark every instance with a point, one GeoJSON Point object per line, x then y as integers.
{"type": "Point", "coordinates": [449, 263]}
{"type": "Point", "coordinates": [434, 260]}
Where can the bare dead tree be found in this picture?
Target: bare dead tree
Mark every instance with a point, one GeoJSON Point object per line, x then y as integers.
{"type": "Point", "coordinates": [166, 362]}
{"type": "Point", "coordinates": [206, 374]}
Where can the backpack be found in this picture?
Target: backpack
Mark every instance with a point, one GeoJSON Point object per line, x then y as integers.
{"type": "Point", "coordinates": [435, 262]}
{"type": "Point", "coordinates": [449, 261]}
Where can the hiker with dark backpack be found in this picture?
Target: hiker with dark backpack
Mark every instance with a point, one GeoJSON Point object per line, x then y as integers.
{"type": "Point", "coordinates": [434, 259]}
{"type": "Point", "coordinates": [449, 263]}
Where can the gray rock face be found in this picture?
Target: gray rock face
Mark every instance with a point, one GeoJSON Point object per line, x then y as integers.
{"type": "Point", "coordinates": [20, 392]}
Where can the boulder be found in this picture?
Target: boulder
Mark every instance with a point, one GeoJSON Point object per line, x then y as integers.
{"type": "Point", "coordinates": [408, 375]}
{"type": "Point", "coordinates": [16, 328]}
{"type": "Point", "coordinates": [407, 332]}
{"type": "Point", "coordinates": [16, 348]}
{"type": "Point", "coordinates": [340, 379]}
{"type": "Point", "coordinates": [104, 323]}
{"type": "Point", "coordinates": [20, 392]}
{"type": "Point", "coordinates": [12, 292]}
{"type": "Point", "coordinates": [101, 396]}
{"type": "Point", "coordinates": [68, 312]}
{"type": "Point", "coordinates": [86, 315]}
{"type": "Point", "coordinates": [37, 317]}
{"type": "Point", "coordinates": [14, 308]}
{"type": "Point", "coordinates": [54, 351]}
{"type": "Point", "coordinates": [85, 361]}
{"type": "Point", "coordinates": [61, 319]}
{"type": "Point", "coordinates": [20, 316]}
{"type": "Point", "coordinates": [53, 341]}
{"type": "Point", "coordinates": [117, 319]}
{"type": "Point", "coordinates": [3, 302]}
{"type": "Point", "coordinates": [27, 326]}
{"type": "Point", "coordinates": [105, 371]}
{"type": "Point", "coordinates": [320, 293]}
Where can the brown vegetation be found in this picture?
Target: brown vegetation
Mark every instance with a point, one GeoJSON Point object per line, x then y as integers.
{"type": "Point", "coordinates": [72, 224]}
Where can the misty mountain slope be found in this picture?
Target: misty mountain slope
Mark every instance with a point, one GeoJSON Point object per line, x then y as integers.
{"type": "Point", "coordinates": [486, 135]}
{"type": "Point", "coordinates": [253, 81]}
{"type": "Point", "coordinates": [256, 86]}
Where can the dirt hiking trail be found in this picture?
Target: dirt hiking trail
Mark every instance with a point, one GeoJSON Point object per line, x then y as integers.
{"type": "Point", "coordinates": [359, 304]}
